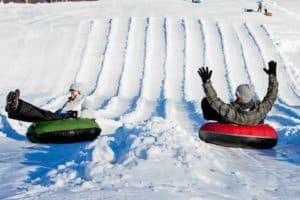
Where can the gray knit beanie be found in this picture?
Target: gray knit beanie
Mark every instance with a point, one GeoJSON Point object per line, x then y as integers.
{"type": "Point", "coordinates": [245, 92]}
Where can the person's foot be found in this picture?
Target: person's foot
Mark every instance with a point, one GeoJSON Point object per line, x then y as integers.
{"type": "Point", "coordinates": [9, 99]}
{"type": "Point", "coordinates": [12, 100]}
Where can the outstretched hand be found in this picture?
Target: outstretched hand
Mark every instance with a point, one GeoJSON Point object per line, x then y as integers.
{"type": "Point", "coordinates": [204, 73]}
{"type": "Point", "coordinates": [272, 68]}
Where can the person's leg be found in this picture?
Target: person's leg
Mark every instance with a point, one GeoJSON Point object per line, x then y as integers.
{"type": "Point", "coordinates": [30, 113]}
{"type": "Point", "coordinates": [259, 9]}
{"type": "Point", "coordinates": [209, 113]}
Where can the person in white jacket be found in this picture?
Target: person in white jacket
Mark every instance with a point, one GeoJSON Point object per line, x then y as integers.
{"type": "Point", "coordinates": [267, 4]}
{"type": "Point", "coordinates": [21, 110]}
{"type": "Point", "coordinates": [74, 103]}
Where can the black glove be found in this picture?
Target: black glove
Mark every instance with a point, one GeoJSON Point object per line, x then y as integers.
{"type": "Point", "coordinates": [205, 74]}
{"type": "Point", "coordinates": [272, 68]}
{"type": "Point", "coordinates": [72, 114]}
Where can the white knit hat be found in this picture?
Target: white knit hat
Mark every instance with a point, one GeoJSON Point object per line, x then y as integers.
{"type": "Point", "coordinates": [245, 92]}
{"type": "Point", "coordinates": [78, 87]}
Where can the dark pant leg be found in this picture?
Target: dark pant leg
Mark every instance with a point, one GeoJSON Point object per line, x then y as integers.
{"type": "Point", "coordinates": [30, 113]}
{"type": "Point", "coordinates": [209, 113]}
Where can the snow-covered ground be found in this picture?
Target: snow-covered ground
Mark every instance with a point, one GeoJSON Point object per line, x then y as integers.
{"type": "Point", "coordinates": [138, 60]}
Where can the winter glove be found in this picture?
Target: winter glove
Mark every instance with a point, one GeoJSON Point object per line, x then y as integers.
{"type": "Point", "coordinates": [205, 74]}
{"type": "Point", "coordinates": [272, 68]}
{"type": "Point", "coordinates": [72, 114]}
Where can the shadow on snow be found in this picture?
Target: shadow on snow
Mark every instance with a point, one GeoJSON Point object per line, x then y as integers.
{"type": "Point", "coordinates": [7, 128]}
{"type": "Point", "coordinates": [51, 156]}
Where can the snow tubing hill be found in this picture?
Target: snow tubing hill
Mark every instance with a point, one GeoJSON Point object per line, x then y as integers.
{"type": "Point", "coordinates": [260, 136]}
{"type": "Point", "coordinates": [63, 131]}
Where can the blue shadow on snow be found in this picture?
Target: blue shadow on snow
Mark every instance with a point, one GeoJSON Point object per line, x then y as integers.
{"type": "Point", "coordinates": [46, 157]}
{"type": "Point", "coordinates": [7, 128]}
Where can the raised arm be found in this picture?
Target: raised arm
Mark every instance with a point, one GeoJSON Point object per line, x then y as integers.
{"type": "Point", "coordinates": [269, 99]}
{"type": "Point", "coordinates": [225, 110]}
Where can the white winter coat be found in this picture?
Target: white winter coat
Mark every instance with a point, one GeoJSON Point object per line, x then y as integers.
{"type": "Point", "coordinates": [78, 104]}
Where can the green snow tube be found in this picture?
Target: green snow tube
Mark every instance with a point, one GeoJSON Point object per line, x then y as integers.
{"type": "Point", "coordinates": [63, 131]}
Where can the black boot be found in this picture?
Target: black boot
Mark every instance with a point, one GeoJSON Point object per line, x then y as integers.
{"type": "Point", "coordinates": [12, 101]}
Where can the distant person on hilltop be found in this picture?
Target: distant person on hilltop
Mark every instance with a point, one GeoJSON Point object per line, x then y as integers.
{"type": "Point", "coordinates": [75, 106]}
{"type": "Point", "coordinates": [244, 110]}
{"type": "Point", "coordinates": [266, 7]}
{"type": "Point", "coordinates": [260, 5]}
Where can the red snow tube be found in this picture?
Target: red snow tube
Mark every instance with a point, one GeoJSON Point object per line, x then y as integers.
{"type": "Point", "coordinates": [260, 136]}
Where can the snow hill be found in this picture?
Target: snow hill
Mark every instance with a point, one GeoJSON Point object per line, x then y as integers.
{"type": "Point", "coordinates": [138, 60]}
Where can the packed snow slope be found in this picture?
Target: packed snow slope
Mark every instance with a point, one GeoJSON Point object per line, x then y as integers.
{"type": "Point", "coordinates": [138, 60]}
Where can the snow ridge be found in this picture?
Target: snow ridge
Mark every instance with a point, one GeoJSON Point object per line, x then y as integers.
{"type": "Point", "coordinates": [203, 39]}
{"type": "Point", "coordinates": [227, 77]}
{"type": "Point", "coordinates": [245, 65]}
{"type": "Point", "coordinates": [107, 39]}
{"type": "Point", "coordinates": [138, 96]}
{"type": "Point", "coordinates": [255, 42]}
{"type": "Point", "coordinates": [291, 73]}
{"type": "Point", "coordinates": [124, 56]}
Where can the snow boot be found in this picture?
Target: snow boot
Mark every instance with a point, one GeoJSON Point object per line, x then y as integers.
{"type": "Point", "coordinates": [12, 100]}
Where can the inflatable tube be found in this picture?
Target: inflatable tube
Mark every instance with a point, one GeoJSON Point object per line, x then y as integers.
{"type": "Point", "coordinates": [258, 136]}
{"type": "Point", "coordinates": [63, 131]}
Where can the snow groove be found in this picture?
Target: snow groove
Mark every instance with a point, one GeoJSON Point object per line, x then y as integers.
{"type": "Point", "coordinates": [113, 62]}
{"type": "Point", "coordinates": [254, 39]}
{"type": "Point", "coordinates": [153, 75]}
{"type": "Point", "coordinates": [103, 54]}
{"type": "Point", "coordinates": [175, 74]}
{"type": "Point", "coordinates": [160, 109]}
{"type": "Point", "coordinates": [215, 59]}
{"type": "Point", "coordinates": [133, 73]}
{"type": "Point", "coordinates": [243, 54]}
{"type": "Point", "coordinates": [182, 87]}
{"type": "Point", "coordinates": [82, 49]}
{"type": "Point", "coordinates": [204, 44]}
{"type": "Point", "coordinates": [124, 55]}
{"type": "Point", "coordinates": [226, 67]}
{"type": "Point", "coordinates": [174, 61]}
{"type": "Point", "coordinates": [254, 66]}
{"type": "Point", "coordinates": [83, 53]}
{"type": "Point", "coordinates": [91, 59]}
{"type": "Point", "coordinates": [194, 58]}
{"type": "Point", "coordinates": [145, 57]}
{"type": "Point", "coordinates": [118, 81]}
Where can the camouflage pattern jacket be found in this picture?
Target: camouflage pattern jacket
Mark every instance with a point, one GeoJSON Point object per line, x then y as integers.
{"type": "Point", "coordinates": [233, 114]}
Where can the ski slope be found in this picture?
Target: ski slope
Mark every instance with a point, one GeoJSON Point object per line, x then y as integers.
{"type": "Point", "coordinates": [139, 61]}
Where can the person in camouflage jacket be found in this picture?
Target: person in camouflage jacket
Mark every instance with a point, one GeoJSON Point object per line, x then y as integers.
{"type": "Point", "coordinates": [244, 110]}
